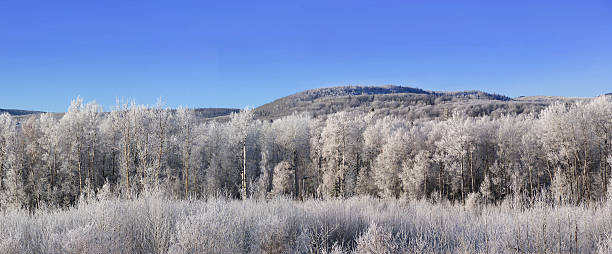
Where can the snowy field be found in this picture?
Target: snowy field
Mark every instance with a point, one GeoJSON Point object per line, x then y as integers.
{"type": "Point", "coordinates": [154, 224]}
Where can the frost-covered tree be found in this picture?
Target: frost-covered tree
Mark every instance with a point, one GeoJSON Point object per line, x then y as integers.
{"type": "Point", "coordinates": [415, 172]}
{"type": "Point", "coordinates": [486, 191]}
{"type": "Point", "coordinates": [561, 187]}
{"type": "Point", "coordinates": [219, 178]}
{"type": "Point", "coordinates": [123, 122]}
{"type": "Point", "coordinates": [11, 168]}
{"type": "Point", "coordinates": [35, 177]}
{"type": "Point", "coordinates": [341, 149]}
{"type": "Point", "coordinates": [456, 148]}
{"type": "Point", "coordinates": [317, 161]}
{"type": "Point", "coordinates": [50, 145]}
{"type": "Point", "coordinates": [161, 127]}
{"type": "Point", "coordinates": [375, 136]}
{"type": "Point", "coordinates": [186, 125]}
{"type": "Point", "coordinates": [513, 175]}
{"type": "Point", "coordinates": [243, 137]}
{"type": "Point", "coordinates": [283, 181]}
{"type": "Point", "coordinates": [391, 162]}
{"type": "Point", "coordinates": [531, 154]}
{"type": "Point", "coordinates": [569, 140]}
{"type": "Point", "coordinates": [92, 117]}
{"type": "Point", "coordinates": [293, 142]}
{"type": "Point", "coordinates": [80, 133]}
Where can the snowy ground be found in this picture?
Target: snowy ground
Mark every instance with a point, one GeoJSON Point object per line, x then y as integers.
{"type": "Point", "coordinates": [155, 224]}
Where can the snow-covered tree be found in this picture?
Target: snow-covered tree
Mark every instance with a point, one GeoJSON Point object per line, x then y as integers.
{"type": "Point", "coordinates": [486, 190]}
{"type": "Point", "coordinates": [283, 179]}
{"type": "Point", "coordinates": [243, 137]}
{"type": "Point", "coordinates": [415, 172]}
{"type": "Point", "coordinates": [50, 144]}
{"type": "Point", "coordinates": [341, 149]}
{"type": "Point", "coordinates": [124, 122]}
{"type": "Point", "coordinates": [456, 148]}
{"type": "Point", "coordinates": [79, 131]}
{"type": "Point", "coordinates": [391, 162]}
{"type": "Point", "coordinates": [293, 140]}
{"type": "Point", "coordinates": [11, 158]}
{"type": "Point", "coordinates": [186, 125]}
{"type": "Point", "coordinates": [375, 136]}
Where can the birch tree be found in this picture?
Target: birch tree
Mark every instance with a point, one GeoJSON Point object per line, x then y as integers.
{"type": "Point", "coordinates": [293, 138]}
{"type": "Point", "coordinates": [341, 149]}
{"type": "Point", "coordinates": [186, 127]}
{"type": "Point", "coordinates": [12, 193]}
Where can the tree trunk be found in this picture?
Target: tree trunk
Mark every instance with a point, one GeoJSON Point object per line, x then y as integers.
{"type": "Point", "coordinates": [550, 173]}
{"type": "Point", "coordinates": [296, 175]}
{"type": "Point", "coordinates": [160, 150]}
{"type": "Point", "coordinates": [576, 191]}
{"type": "Point", "coordinates": [187, 155]}
{"type": "Point", "coordinates": [585, 174]}
{"type": "Point", "coordinates": [440, 185]}
{"type": "Point", "coordinates": [244, 172]}
{"type": "Point", "coordinates": [462, 184]}
{"type": "Point", "coordinates": [530, 180]}
{"type": "Point", "coordinates": [92, 154]}
{"type": "Point", "coordinates": [53, 170]}
{"type": "Point", "coordinates": [126, 165]}
{"type": "Point", "coordinates": [472, 170]}
{"type": "Point", "coordinates": [1, 168]}
{"type": "Point", "coordinates": [79, 168]}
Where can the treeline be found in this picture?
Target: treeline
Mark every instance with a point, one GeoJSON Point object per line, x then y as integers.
{"type": "Point", "coordinates": [411, 104]}
{"type": "Point", "coordinates": [562, 154]}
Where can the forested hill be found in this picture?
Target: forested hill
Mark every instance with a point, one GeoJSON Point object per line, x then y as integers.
{"type": "Point", "coordinates": [407, 102]}
{"type": "Point", "coordinates": [18, 112]}
{"type": "Point", "coordinates": [214, 112]}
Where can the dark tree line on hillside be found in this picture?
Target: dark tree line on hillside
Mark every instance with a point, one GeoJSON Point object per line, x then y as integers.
{"type": "Point", "coordinates": [564, 151]}
{"type": "Point", "coordinates": [406, 102]}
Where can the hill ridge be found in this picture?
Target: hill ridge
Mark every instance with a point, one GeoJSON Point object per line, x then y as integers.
{"type": "Point", "coordinates": [328, 100]}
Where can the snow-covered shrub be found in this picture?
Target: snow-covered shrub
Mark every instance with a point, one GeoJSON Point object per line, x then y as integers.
{"type": "Point", "coordinates": [376, 240]}
{"type": "Point", "coordinates": [156, 224]}
{"type": "Point", "coordinates": [474, 201]}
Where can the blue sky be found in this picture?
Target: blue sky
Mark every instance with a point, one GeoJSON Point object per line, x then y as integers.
{"type": "Point", "coordinates": [239, 53]}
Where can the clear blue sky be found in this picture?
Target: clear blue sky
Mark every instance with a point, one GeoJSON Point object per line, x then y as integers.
{"type": "Point", "coordinates": [239, 53]}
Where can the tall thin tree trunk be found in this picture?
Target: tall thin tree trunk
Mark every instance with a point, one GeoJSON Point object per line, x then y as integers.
{"type": "Point", "coordinates": [1, 167]}
{"type": "Point", "coordinates": [126, 165]}
{"type": "Point", "coordinates": [530, 180]}
{"type": "Point", "coordinates": [53, 170]}
{"type": "Point", "coordinates": [440, 185]}
{"type": "Point", "coordinates": [585, 174]}
{"type": "Point", "coordinates": [296, 175]}
{"type": "Point", "coordinates": [79, 168]}
{"type": "Point", "coordinates": [91, 172]}
{"type": "Point", "coordinates": [187, 174]}
{"type": "Point", "coordinates": [472, 171]}
{"type": "Point", "coordinates": [462, 184]}
{"type": "Point", "coordinates": [159, 159]}
{"type": "Point", "coordinates": [576, 191]}
{"type": "Point", "coordinates": [244, 171]}
{"type": "Point", "coordinates": [550, 173]}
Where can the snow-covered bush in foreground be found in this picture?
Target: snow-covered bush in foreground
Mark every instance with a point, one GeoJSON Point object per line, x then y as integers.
{"type": "Point", "coordinates": [155, 224]}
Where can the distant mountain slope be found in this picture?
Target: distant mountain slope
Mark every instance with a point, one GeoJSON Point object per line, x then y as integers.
{"type": "Point", "coordinates": [214, 112]}
{"type": "Point", "coordinates": [408, 102]}
{"type": "Point", "coordinates": [18, 112]}
{"type": "Point", "coordinates": [200, 112]}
